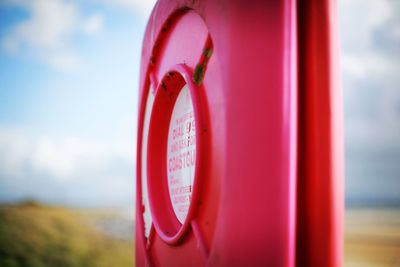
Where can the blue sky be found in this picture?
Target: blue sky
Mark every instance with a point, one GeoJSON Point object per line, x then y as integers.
{"type": "Point", "coordinates": [68, 99]}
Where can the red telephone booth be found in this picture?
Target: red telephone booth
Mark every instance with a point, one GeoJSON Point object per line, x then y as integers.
{"type": "Point", "coordinates": [240, 159]}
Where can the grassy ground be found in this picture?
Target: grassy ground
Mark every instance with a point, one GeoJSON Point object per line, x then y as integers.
{"type": "Point", "coordinates": [33, 235]}
{"type": "Point", "coordinates": [372, 238]}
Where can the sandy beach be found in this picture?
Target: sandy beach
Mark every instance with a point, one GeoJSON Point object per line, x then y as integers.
{"type": "Point", "coordinates": [372, 237]}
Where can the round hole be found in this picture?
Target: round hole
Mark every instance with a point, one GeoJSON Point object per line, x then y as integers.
{"type": "Point", "coordinates": [174, 154]}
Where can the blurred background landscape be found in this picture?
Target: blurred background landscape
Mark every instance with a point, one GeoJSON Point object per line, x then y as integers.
{"type": "Point", "coordinates": [370, 63]}
{"type": "Point", "coordinates": [68, 112]}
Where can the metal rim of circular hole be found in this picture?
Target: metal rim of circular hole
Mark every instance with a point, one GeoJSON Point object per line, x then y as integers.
{"type": "Point", "coordinates": [165, 221]}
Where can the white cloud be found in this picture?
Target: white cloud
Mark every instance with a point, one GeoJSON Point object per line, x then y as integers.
{"type": "Point", "coordinates": [65, 170]}
{"type": "Point", "coordinates": [62, 60]}
{"type": "Point", "coordinates": [63, 158]}
{"type": "Point", "coordinates": [140, 7]}
{"type": "Point", "coordinates": [360, 20]}
{"type": "Point", "coordinates": [363, 65]}
{"type": "Point", "coordinates": [93, 24]}
{"type": "Point", "coordinates": [381, 8]}
{"type": "Point", "coordinates": [371, 72]}
{"type": "Point", "coordinates": [48, 31]}
{"type": "Point", "coordinates": [50, 25]}
{"type": "Point", "coordinates": [14, 151]}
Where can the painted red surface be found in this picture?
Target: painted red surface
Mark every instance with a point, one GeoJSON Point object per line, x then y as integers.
{"type": "Point", "coordinates": [320, 198]}
{"type": "Point", "coordinates": [268, 179]}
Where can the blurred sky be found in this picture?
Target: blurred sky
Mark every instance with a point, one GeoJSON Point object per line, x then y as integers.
{"type": "Point", "coordinates": [68, 99]}
{"type": "Point", "coordinates": [370, 59]}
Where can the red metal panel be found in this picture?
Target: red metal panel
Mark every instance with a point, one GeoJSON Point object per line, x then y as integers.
{"type": "Point", "coordinates": [321, 176]}
{"type": "Point", "coordinates": [257, 161]}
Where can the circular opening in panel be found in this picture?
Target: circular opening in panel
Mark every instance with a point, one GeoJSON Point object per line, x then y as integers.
{"type": "Point", "coordinates": [173, 154]}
